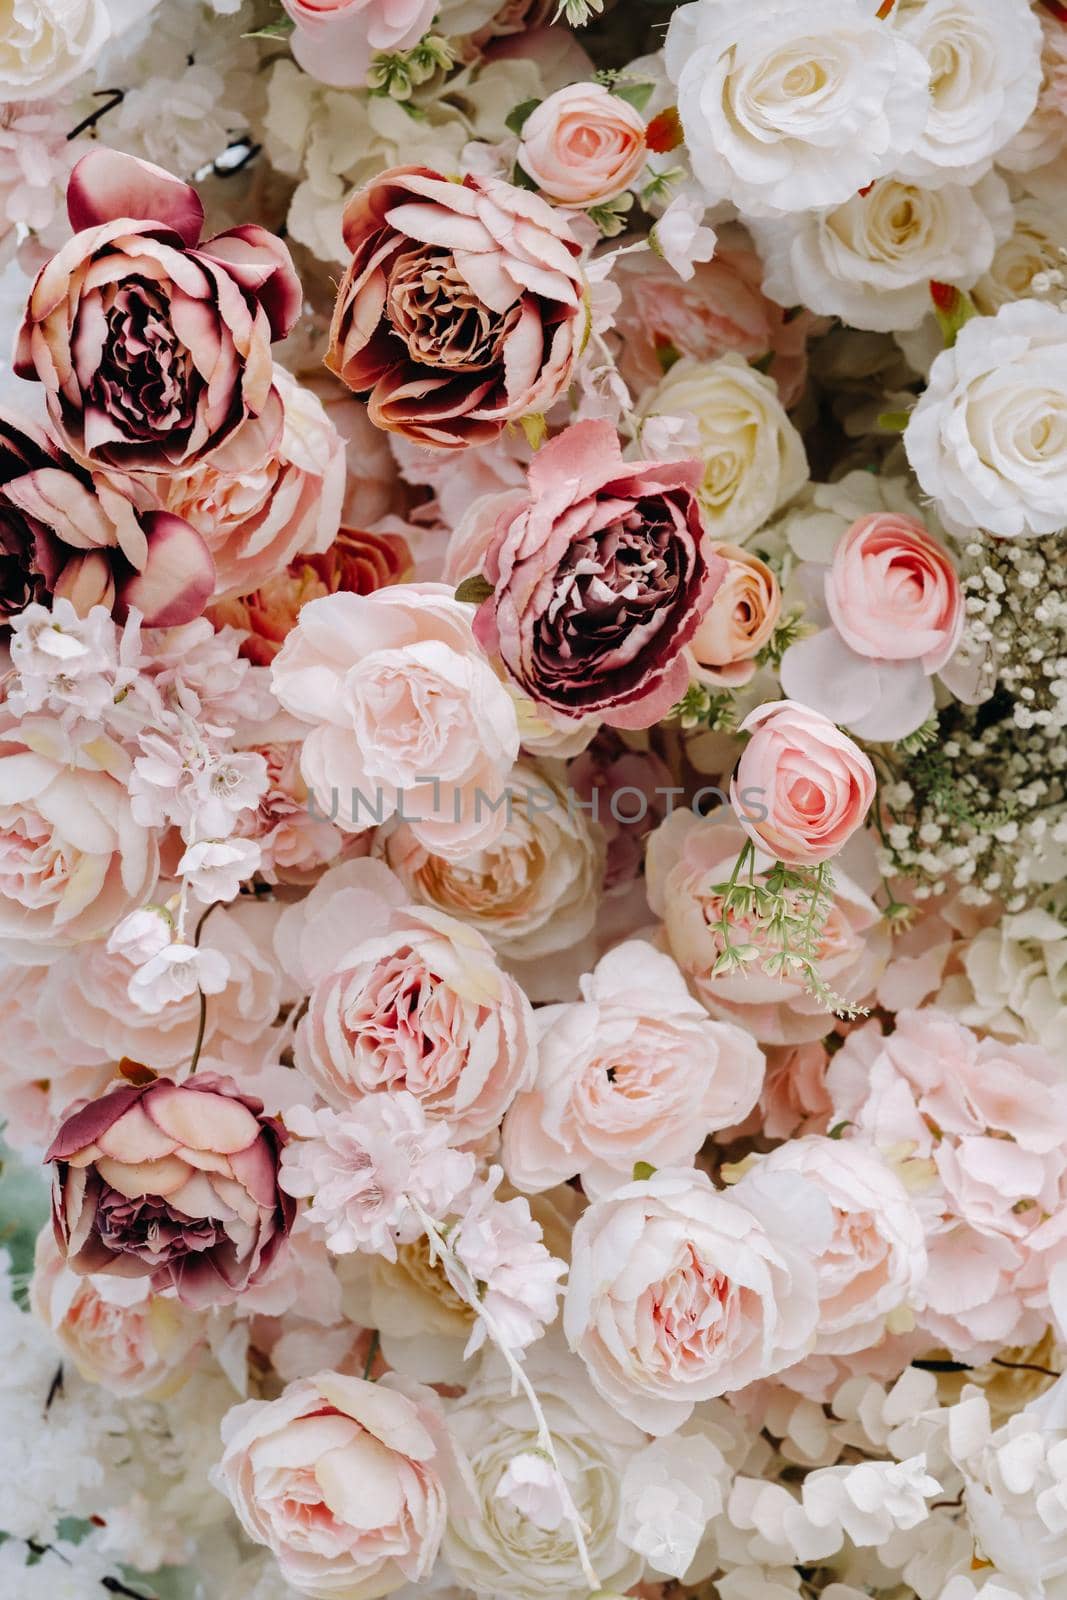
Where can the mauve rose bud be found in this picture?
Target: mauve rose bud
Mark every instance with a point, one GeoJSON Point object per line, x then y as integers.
{"type": "Point", "coordinates": [172, 1182]}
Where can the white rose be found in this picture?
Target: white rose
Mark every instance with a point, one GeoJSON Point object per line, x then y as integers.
{"type": "Point", "coordinates": [753, 456]}
{"type": "Point", "coordinates": [1043, 137]}
{"type": "Point", "coordinates": [1033, 259]}
{"type": "Point", "coordinates": [499, 1551]}
{"type": "Point", "coordinates": [985, 73]}
{"type": "Point", "coordinates": [44, 44]}
{"type": "Point", "coordinates": [1014, 980]}
{"type": "Point", "coordinates": [988, 438]}
{"type": "Point", "coordinates": [870, 261]}
{"type": "Point", "coordinates": [786, 107]}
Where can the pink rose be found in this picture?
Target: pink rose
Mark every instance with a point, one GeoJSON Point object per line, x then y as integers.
{"type": "Point", "coordinates": [175, 1183]}
{"type": "Point", "coordinates": [583, 145]}
{"type": "Point", "coordinates": [462, 309]}
{"type": "Point", "coordinates": [814, 784]}
{"type": "Point", "coordinates": [335, 39]}
{"type": "Point", "coordinates": [408, 715]}
{"type": "Point", "coordinates": [40, 1072]}
{"type": "Point", "coordinates": [677, 1294]}
{"type": "Point", "coordinates": [794, 1099]}
{"type": "Point", "coordinates": [875, 1260]}
{"type": "Point", "coordinates": [154, 348]}
{"type": "Point", "coordinates": [740, 620]}
{"type": "Point", "coordinates": [116, 1332]}
{"type": "Point", "coordinates": [688, 857]}
{"type": "Point", "coordinates": [600, 578]}
{"type": "Point", "coordinates": [73, 860]}
{"type": "Point", "coordinates": [634, 1071]}
{"type": "Point", "coordinates": [347, 1482]}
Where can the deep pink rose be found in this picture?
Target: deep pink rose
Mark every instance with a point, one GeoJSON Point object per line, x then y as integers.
{"type": "Point", "coordinates": [600, 575]}
{"type": "Point", "coordinates": [893, 593]}
{"type": "Point", "coordinates": [814, 784]}
{"type": "Point", "coordinates": [154, 349]}
{"type": "Point", "coordinates": [173, 1182]}
{"type": "Point", "coordinates": [462, 307]}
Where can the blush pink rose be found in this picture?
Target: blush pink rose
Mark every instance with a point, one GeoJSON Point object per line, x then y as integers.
{"type": "Point", "coordinates": [740, 620]}
{"type": "Point", "coordinates": [893, 593]}
{"type": "Point", "coordinates": [678, 1293]}
{"type": "Point", "coordinates": [462, 308]}
{"type": "Point", "coordinates": [875, 1260]}
{"type": "Point", "coordinates": [174, 1183]}
{"type": "Point", "coordinates": [583, 145]}
{"type": "Point", "coordinates": [41, 1073]}
{"type": "Point", "coordinates": [154, 347]}
{"type": "Point", "coordinates": [600, 578]}
{"type": "Point", "coordinates": [335, 39]}
{"type": "Point", "coordinates": [348, 1483]}
{"type": "Point", "coordinates": [408, 715]}
{"type": "Point", "coordinates": [634, 1071]}
{"type": "Point", "coordinates": [814, 784]}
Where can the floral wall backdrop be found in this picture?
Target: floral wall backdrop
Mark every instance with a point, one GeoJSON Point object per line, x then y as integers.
{"type": "Point", "coordinates": [533, 827]}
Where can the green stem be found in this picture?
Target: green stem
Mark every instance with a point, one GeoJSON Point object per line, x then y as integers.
{"type": "Point", "coordinates": [372, 1353]}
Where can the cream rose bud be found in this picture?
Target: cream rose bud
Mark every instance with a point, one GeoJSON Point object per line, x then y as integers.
{"type": "Point", "coordinates": [787, 107]}
{"type": "Point", "coordinates": [408, 715]}
{"type": "Point", "coordinates": [345, 1481]}
{"type": "Point", "coordinates": [814, 784]}
{"type": "Point", "coordinates": [988, 437]}
{"type": "Point", "coordinates": [677, 1293]}
{"type": "Point", "coordinates": [753, 456]}
{"type": "Point", "coordinates": [875, 1261]}
{"type": "Point", "coordinates": [634, 1071]}
{"type": "Point", "coordinates": [740, 620]}
{"type": "Point", "coordinates": [583, 145]}
{"type": "Point", "coordinates": [870, 260]}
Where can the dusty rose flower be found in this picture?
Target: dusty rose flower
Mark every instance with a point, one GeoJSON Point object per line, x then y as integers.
{"type": "Point", "coordinates": [634, 1071]}
{"type": "Point", "coordinates": [678, 1293]}
{"type": "Point", "coordinates": [407, 714]}
{"type": "Point", "coordinates": [462, 308]}
{"type": "Point", "coordinates": [740, 619]}
{"type": "Point", "coordinates": [688, 857]}
{"type": "Point", "coordinates": [154, 349]}
{"type": "Point", "coordinates": [583, 145]}
{"type": "Point", "coordinates": [357, 562]}
{"type": "Point", "coordinates": [892, 592]}
{"type": "Point", "coordinates": [347, 1482]}
{"type": "Point", "coordinates": [814, 783]}
{"type": "Point", "coordinates": [628, 791]}
{"type": "Point", "coordinates": [794, 1099]}
{"type": "Point", "coordinates": [116, 1332]}
{"type": "Point", "coordinates": [336, 39]}
{"type": "Point", "coordinates": [28, 566]}
{"type": "Point", "coordinates": [600, 577]}
{"type": "Point", "coordinates": [175, 1183]}
{"type": "Point", "coordinates": [73, 860]}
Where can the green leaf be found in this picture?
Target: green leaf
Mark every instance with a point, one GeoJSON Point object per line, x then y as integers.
{"type": "Point", "coordinates": [635, 94]}
{"type": "Point", "coordinates": [515, 120]}
{"type": "Point", "coordinates": [535, 428]}
{"type": "Point", "coordinates": [953, 309]}
{"type": "Point", "coordinates": [521, 179]}
{"type": "Point", "coordinates": [472, 591]}
{"type": "Point", "coordinates": [643, 1170]}
{"type": "Point", "coordinates": [894, 421]}
{"type": "Point", "coordinates": [273, 30]}
{"type": "Point", "coordinates": [838, 1129]}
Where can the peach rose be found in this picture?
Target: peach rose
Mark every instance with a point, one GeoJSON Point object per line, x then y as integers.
{"type": "Point", "coordinates": [40, 1073]}
{"type": "Point", "coordinates": [814, 784]}
{"type": "Point", "coordinates": [688, 857]}
{"type": "Point", "coordinates": [677, 1294]}
{"type": "Point", "coordinates": [347, 1482]}
{"type": "Point", "coordinates": [892, 592]}
{"type": "Point", "coordinates": [462, 309]}
{"type": "Point", "coordinates": [408, 715]}
{"type": "Point", "coordinates": [740, 620]}
{"type": "Point", "coordinates": [72, 859]}
{"type": "Point", "coordinates": [583, 145]}
{"type": "Point", "coordinates": [116, 1332]}
{"type": "Point", "coordinates": [634, 1071]}
{"type": "Point", "coordinates": [875, 1261]}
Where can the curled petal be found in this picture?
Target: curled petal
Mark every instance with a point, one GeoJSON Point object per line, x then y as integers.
{"type": "Point", "coordinates": [107, 184]}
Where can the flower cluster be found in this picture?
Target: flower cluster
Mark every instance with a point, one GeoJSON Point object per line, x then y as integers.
{"type": "Point", "coordinates": [533, 799]}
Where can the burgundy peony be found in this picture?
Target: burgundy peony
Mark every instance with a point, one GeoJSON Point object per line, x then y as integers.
{"type": "Point", "coordinates": [601, 573]}
{"type": "Point", "coordinates": [26, 571]}
{"type": "Point", "coordinates": [462, 308]}
{"type": "Point", "coordinates": [172, 1182]}
{"type": "Point", "coordinates": [154, 349]}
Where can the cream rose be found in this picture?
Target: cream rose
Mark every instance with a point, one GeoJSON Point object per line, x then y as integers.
{"type": "Point", "coordinates": [583, 145]}
{"type": "Point", "coordinates": [786, 107]}
{"type": "Point", "coordinates": [753, 456]}
{"type": "Point", "coordinates": [44, 44]}
{"type": "Point", "coordinates": [988, 437]}
{"type": "Point", "coordinates": [740, 620]}
{"type": "Point", "coordinates": [346, 1482]}
{"type": "Point", "coordinates": [1037, 244]}
{"type": "Point", "coordinates": [678, 1293]}
{"type": "Point", "coordinates": [870, 260]}
{"type": "Point", "coordinates": [634, 1071]}
{"type": "Point", "coordinates": [72, 859]}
